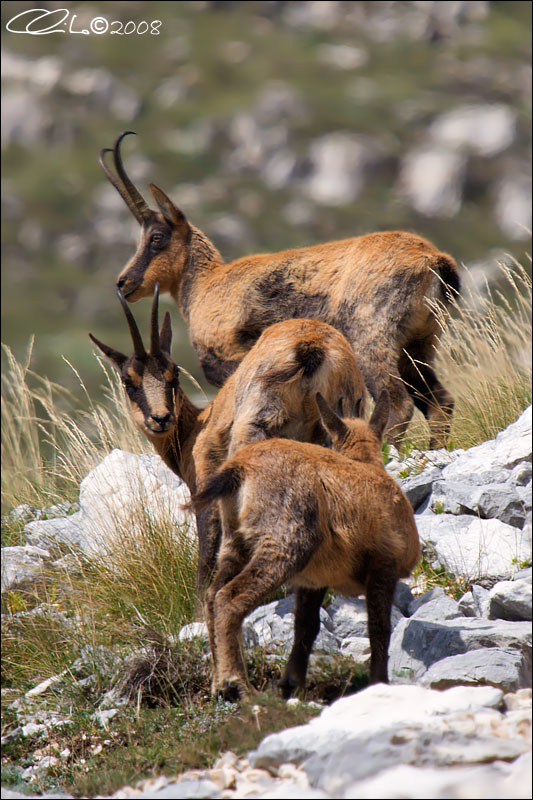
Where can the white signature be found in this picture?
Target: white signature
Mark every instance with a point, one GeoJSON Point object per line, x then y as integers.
{"type": "Point", "coordinates": [41, 22]}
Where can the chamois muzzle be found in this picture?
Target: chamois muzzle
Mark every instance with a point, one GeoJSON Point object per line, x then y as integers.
{"type": "Point", "coordinates": [124, 186]}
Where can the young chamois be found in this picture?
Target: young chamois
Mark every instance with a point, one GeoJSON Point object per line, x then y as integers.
{"type": "Point", "coordinates": [376, 289]}
{"type": "Point", "coordinates": [271, 394]}
{"type": "Point", "coordinates": [300, 514]}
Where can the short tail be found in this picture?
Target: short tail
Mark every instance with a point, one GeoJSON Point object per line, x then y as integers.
{"type": "Point", "coordinates": [223, 484]}
{"type": "Point", "coordinates": [450, 281]}
{"type": "Point", "coordinates": [308, 357]}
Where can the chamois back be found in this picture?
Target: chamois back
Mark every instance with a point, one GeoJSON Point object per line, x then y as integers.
{"type": "Point", "coordinates": [376, 289]}
{"type": "Point", "coordinates": [294, 512]}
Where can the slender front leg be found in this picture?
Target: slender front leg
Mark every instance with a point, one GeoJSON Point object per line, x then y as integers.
{"type": "Point", "coordinates": [306, 627]}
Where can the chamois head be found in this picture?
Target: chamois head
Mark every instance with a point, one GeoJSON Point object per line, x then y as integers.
{"type": "Point", "coordinates": [150, 378]}
{"type": "Point", "coordinates": [356, 438]}
{"type": "Point", "coordinates": [162, 250]}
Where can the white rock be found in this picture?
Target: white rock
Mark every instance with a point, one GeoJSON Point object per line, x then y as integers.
{"type": "Point", "coordinates": [510, 447]}
{"type": "Point", "coordinates": [432, 180]}
{"type": "Point", "coordinates": [21, 564]}
{"type": "Point", "coordinates": [474, 548]}
{"type": "Point", "coordinates": [358, 648]}
{"type": "Point", "coordinates": [192, 631]}
{"type": "Point", "coordinates": [481, 129]}
{"type": "Point", "coordinates": [513, 206]}
{"type": "Point", "coordinates": [120, 499]}
{"type": "Point", "coordinates": [340, 164]}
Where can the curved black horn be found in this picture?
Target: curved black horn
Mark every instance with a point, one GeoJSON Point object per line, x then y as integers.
{"type": "Point", "coordinates": [140, 352]}
{"type": "Point", "coordinates": [124, 186]}
{"type": "Point", "coordinates": [155, 346]}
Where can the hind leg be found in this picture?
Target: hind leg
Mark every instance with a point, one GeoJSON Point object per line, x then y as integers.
{"type": "Point", "coordinates": [429, 395]}
{"type": "Point", "coordinates": [380, 587]}
{"type": "Point", "coordinates": [232, 603]}
{"type": "Point", "coordinates": [306, 627]}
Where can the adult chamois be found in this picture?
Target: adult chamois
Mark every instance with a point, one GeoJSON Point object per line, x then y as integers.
{"type": "Point", "coordinates": [300, 514]}
{"type": "Point", "coordinates": [377, 289]}
{"type": "Point", "coordinates": [271, 394]}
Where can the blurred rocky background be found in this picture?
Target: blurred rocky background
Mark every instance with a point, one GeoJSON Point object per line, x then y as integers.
{"type": "Point", "coordinates": [273, 125]}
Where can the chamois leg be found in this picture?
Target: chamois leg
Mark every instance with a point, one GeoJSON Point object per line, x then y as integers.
{"type": "Point", "coordinates": [208, 528]}
{"type": "Point", "coordinates": [306, 627]}
{"type": "Point", "coordinates": [232, 603]}
{"type": "Point", "coordinates": [230, 566]}
{"type": "Point", "coordinates": [428, 393]}
{"type": "Point", "coordinates": [380, 587]}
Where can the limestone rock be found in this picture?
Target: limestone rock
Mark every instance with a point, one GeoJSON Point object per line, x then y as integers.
{"type": "Point", "coordinates": [125, 492]}
{"type": "Point", "coordinates": [416, 645]}
{"type": "Point", "coordinates": [510, 600]}
{"type": "Point", "coordinates": [22, 565]}
{"type": "Point", "coordinates": [473, 548]}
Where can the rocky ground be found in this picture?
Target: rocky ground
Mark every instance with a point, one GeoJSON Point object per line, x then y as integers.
{"type": "Point", "coordinates": [455, 720]}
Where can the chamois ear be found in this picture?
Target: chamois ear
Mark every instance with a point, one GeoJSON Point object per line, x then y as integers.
{"type": "Point", "coordinates": [165, 334]}
{"type": "Point", "coordinates": [171, 213]}
{"type": "Point", "coordinates": [118, 359]}
{"type": "Point", "coordinates": [331, 421]}
{"type": "Point", "coordinates": [380, 415]}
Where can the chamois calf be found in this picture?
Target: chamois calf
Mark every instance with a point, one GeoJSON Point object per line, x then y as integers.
{"type": "Point", "coordinates": [376, 289]}
{"type": "Point", "coordinates": [315, 518]}
{"type": "Point", "coordinates": [271, 394]}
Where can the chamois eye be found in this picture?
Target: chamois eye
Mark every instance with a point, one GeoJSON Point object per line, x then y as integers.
{"type": "Point", "coordinates": [155, 238]}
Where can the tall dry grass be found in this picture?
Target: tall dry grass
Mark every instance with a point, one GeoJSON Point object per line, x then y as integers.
{"type": "Point", "coordinates": [50, 441]}
{"type": "Point", "coordinates": [484, 359]}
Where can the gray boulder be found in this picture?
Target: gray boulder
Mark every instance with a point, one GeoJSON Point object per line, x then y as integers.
{"type": "Point", "coordinates": [481, 601]}
{"type": "Point", "coordinates": [434, 605]}
{"type": "Point", "coordinates": [489, 666]}
{"type": "Point", "coordinates": [272, 627]}
{"type": "Point", "coordinates": [489, 501]}
{"type": "Point", "coordinates": [416, 645]}
{"type": "Point", "coordinates": [511, 600]}
{"type": "Point", "coordinates": [418, 487]}
{"type": "Point", "coordinates": [349, 617]}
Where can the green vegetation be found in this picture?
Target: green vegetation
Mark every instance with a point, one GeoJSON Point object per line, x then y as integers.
{"type": "Point", "coordinates": [65, 241]}
{"type": "Point", "coordinates": [110, 623]}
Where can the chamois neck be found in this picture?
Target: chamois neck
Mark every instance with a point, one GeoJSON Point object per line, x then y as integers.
{"type": "Point", "coordinates": [364, 452]}
{"type": "Point", "coordinates": [202, 257]}
{"type": "Point", "coordinates": [176, 448]}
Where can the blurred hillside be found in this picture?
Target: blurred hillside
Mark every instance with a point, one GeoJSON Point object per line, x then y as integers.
{"type": "Point", "coordinates": [273, 125]}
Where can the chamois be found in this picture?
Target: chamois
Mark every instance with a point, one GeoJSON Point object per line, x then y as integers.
{"type": "Point", "coordinates": [270, 394]}
{"type": "Point", "coordinates": [377, 289]}
{"type": "Point", "coordinates": [315, 518]}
